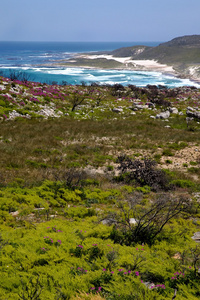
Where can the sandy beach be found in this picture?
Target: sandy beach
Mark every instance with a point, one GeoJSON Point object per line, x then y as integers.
{"type": "Point", "coordinates": [147, 65]}
{"type": "Point", "coordinates": [111, 62]}
{"type": "Point", "coordinates": [127, 63]}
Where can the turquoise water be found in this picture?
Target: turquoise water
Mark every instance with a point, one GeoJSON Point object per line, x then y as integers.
{"type": "Point", "coordinates": [31, 58]}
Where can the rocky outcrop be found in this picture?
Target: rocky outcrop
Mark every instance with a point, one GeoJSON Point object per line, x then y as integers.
{"type": "Point", "coordinates": [192, 113]}
{"type": "Point", "coordinates": [14, 114]}
{"type": "Point", "coordinates": [163, 115]}
{"type": "Point", "coordinates": [173, 110]}
{"type": "Point", "coordinates": [117, 109]}
{"type": "Point", "coordinates": [48, 112]}
{"type": "Point", "coordinates": [196, 237]}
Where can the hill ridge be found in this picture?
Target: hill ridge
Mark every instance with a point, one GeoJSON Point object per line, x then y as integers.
{"type": "Point", "coordinates": [186, 40]}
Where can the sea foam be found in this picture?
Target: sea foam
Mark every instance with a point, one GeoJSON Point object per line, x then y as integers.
{"type": "Point", "coordinates": [77, 75]}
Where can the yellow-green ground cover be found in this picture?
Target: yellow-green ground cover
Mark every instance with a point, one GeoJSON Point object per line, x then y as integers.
{"type": "Point", "coordinates": [72, 226]}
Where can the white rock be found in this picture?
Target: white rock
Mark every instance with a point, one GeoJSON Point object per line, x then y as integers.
{"type": "Point", "coordinates": [196, 237]}
{"type": "Point", "coordinates": [14, 213]}
{"type": "Point", "coordinates": [190, 108]}
{"type": "Point", "coordinates": [173, 110]}
{"type": "Point", "coordinates": [132, 221]}
{"type": "Point", "coordinates": [163, 115]}
{"type": "Point", "coordinates": [117, 110]}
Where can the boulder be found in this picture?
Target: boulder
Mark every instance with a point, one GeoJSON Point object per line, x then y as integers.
{"type": "Point", "coordinates": [47, 112]}
{"type": "Point", "coordinates": [196, 237]}
{"type": "Point", "coordinates": [108, 221]}
{"type": "Point", "coordinates": [140, 106]}
{"type": "Point", "coordinates": [14, 213]}
{"type": "Point", "coordinates": [192, 113]}
{"type": "Point", "coordinates": [151, 105]}
{"type": "Point", "coordinates": [173, 110]}
{"type": "Point", "coordinates": [14, 114]}
{"type": "Point", "coordinates": [137, 106]}
{"type": "Point", "coordinates": [163, 115]}
{"type": "Point", "coordinates": [190, 108]}
{"type": "Point", "coordinates": [117, 109]}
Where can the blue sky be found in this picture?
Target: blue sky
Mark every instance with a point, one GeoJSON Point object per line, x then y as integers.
{"type": "Point", "coordinates": [98, 20]}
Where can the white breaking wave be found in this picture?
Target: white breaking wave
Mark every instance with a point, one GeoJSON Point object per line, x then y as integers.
{"type": "Point", "coordinates": [68, 71]}
{"type": "Point", "coordinates": [124, 77]}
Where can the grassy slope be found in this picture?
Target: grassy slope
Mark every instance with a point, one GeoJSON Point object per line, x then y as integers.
{"type": "Point", "coordinates": [36, 155]}
{"type": "Point", "coordinates": [129, 51]}
{"type": "Point", "coordinates": [179, 50]}
{"type": "Point", "coordinates": [172, 55]}
{"type": "Point", "coordinates": [93, 63]}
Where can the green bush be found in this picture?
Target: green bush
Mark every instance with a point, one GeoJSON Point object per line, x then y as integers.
{"type": "Point", "coordinates": [79, 212]}
{"type": "Point", "coordinates": [167, 152]}
{"type": "Point", "coordinates": [110, 168]}
{"type": "Point", "coordinates": [168, 161]}
{"type": "Point", "coordinates": [178, 146]}
{"type": "Point", "coordinates": [157, 158]}
{"type": "Point", "coordinates": [193, 170]}
{"type": "Point", "coordinates": [193, 163]}
{"type": "Point", "coordinates": [183, 183]}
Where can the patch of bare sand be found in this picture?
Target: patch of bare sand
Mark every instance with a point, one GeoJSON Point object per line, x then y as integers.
{"type": "Point", "coordinates": [149, 65]}
{"type": "Point", "coordinates": [180, 161]}
{"type": "Point", "coordinates": [181, 157]}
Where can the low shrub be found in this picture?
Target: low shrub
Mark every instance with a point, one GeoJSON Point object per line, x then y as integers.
{"type": "Point", "coordinates": [167, 152]}
{"type": "Point", "coordinates": [183, 183]}
{"type": "Point", "coordinates": [168, 161]}
{"type": "Point", "coordinates": [149, 220]}
{"type": "Point", "coordinates": [193, 170]}
{"type": "Point", "coordinates": [143, 173]}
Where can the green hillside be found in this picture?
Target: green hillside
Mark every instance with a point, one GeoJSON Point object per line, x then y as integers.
{"type": "Point", "coordinates": [179, 50]}
{"type": "Point", "coordinates": [129, 51]}
{"type": "Point", "coordinates": [172, 54]}
{"type": "Point", "coordinates": [189, 41]}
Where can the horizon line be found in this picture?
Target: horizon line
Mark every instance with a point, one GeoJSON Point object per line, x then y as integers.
{"type": "Point", "coordinates": [80, 41]}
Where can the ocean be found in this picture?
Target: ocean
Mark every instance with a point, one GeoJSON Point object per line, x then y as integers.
{"type": "Point", "coordinates": [32, 58]}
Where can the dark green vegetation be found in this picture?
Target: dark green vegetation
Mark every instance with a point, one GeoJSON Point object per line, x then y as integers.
{"type": "Point", "coordinates": [96, 194]}
{"type": "Point", "coordinates": [179, 50]}
{"type": "Point", "coordinates": [101, 63]}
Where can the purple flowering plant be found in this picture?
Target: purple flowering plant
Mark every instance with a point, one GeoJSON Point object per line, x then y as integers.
{"type": "Point", "coordinates": [48, 240]}
{"type": "Point", "coordinates": [78, 251]}
{"type": "Point", "coordinates": [177, 278]}
{"type": "Point", "coordinates": [43, 250]}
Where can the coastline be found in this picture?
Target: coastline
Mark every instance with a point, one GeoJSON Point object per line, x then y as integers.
{"type": "Point", "coordinates": [103, 61]}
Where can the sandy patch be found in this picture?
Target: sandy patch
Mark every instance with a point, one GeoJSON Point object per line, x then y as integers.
{"type": "Point", "coordinates": [150, 65]}
{"type": "Point", "coordinates": [181, 157]}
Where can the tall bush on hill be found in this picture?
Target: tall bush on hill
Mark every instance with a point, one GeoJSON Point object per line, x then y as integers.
{"type": "Point", "coordinates": [77, 98]}
{"type": "Point", "coordinates": [72, 177]}
{"type": "Point", "coordinates": [137, 223]}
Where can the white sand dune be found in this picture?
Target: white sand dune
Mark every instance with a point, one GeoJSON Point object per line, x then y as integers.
{"type": "Point", "coordinates": [150, 65]}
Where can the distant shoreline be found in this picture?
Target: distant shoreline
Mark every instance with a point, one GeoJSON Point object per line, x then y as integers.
{"type": "Point", "coordinates": [91, 61]}
{"type": "Point", "coordinates": [125, 63]}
